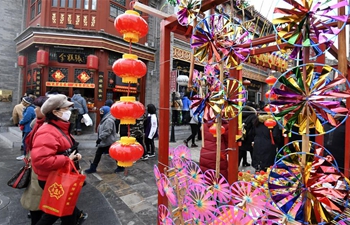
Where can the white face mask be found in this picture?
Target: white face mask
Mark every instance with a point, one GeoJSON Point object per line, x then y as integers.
{"type": "Point", "coordinates": [66, 115]}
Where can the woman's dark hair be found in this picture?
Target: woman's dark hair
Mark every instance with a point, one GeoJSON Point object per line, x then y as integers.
{"type": "Point", "coordinates": [50, 116]}
{"type": "Point", "coordinates": [40, 101]}
{"type": "Point", "coordinates": [151, 109]}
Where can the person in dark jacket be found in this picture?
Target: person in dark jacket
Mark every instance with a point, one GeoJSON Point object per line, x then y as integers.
{"type": "Point", "coordinates": [207, 158]}
{"type": "Point", "coordinates": [186, 103]}
{"type": "Point", "coordinates": [151, 130]}
{"type": "Point", "coordinates": [107, 135]}
{"type": "Point", "coordinates": [249, 116]}
{"type": "Point", "coordinates": [80, 105]}
{"type": "Point", "coordinates": [264, 149]}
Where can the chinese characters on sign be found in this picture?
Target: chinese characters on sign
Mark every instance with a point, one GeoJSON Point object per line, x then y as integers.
{"type": "Point", "coordinates": [64, 57]}
{"type": "Point", "coordinates": [100, 86]}
{"type": "Point", "coordinates": [69, 84]}
{"type": "Point", "coordinates": [173, 76]}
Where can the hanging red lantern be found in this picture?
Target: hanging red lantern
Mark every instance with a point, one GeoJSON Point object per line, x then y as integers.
{"type": "Point", "coordinates": [273, 95]}
{"type": "Point", "coordinates": [21, 61]}
{"type": "Point", "coordinates": [270, 80]}
{"type": "Point", "coordinates": [246, 82]}
{"type": "Point", "coordinates": [92, 62]}
{"type": "Point", "coordinates": [131, 25]}
{"type": "Point", "coordinates": [212, 130]}
{"type": "Point", "coordinates": [127, 110]}
{"type": "Point", "coordinates": [126, 151]}
{"type": "Point", "coordinates": [42, 58]}
{"type": "Point", "coordinates": [270, 123]}
{"type": "Point", "coordinates": [269, 108]}
{"type": "Point", "coordinates": [129, 68]}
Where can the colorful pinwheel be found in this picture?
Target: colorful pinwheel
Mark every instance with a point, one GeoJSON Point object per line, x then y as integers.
{"type": "Point", "coordinates": [194, 173]}
{"type": "Point", "coordinates": [180, 170]}
{"type": "Point", "coordinates": [182, 152]}
{"type": "Point", "coordinates": [199, 203]}
{"type": "Point", "coordinates": [316, 96]}
{"type": "Point", "coordinates": [219, 187]}
{"type": "Point", "coordinates": [308, 188]}
{"type": "Point", "coordinates": [169, 191]}
{"type": "Point", "coordinates": [164, 215]}
{"type": "Point", "coordinates": [171, 153]}
{"type": "Point", "coordinates": [305, 23]}
{"type": "Point", "coordinates": [208, 33]}
{"type": "Point", "coordinates": [229, 214]}
{"type": "Point", "coordinates": [267, 222]}
{"type": "Point", "coordinates": [235, 97]}
{"type": "Point", "coordinates": [272, 213]}
{"type": "Point", "coordinates": [248, 198]}
{"type": "Point", "coordinates": [159, 180]}
{"type": "Point", "coordinates": [188, 10]}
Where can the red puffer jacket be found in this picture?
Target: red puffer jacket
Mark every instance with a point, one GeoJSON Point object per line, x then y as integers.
{"type": "Point", "coordinates": [207, 158]}
{"type": "Point", "coordinates": [47, 143]}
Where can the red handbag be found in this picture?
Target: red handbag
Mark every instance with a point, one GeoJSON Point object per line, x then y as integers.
{"type": "Point", "coordinates": [61, 191]}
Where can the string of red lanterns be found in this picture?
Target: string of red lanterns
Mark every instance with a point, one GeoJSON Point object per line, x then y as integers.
{"type": "Point", "coordinates": [270, 123]}
{"type": "Point", "coordinates": [133, 27]}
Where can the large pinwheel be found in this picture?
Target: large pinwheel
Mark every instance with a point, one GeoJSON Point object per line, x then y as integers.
{"type": "Point", "coordinates": [219, 187]}
{"type": "Point", "coordinates": [194, 173]}
{"type": "Point", "coordinates": [272, 213]}
{"type": "Point", "coordinates": [235, 97]}
{"type": "Point", "coordinates": [180, 170]}
{"type": "Point", "coordinates": [159, 179]}
{"type": "Point", "coordinates": [308, 188]}
{"type": "Point", "coordinates": [169, 191]}
{"type": "Point", "coordinates": [305, 23]}
{"type": "Point", "coordinates": [199, 202]}
{"type": "Point", "coordinates": [313, 101]}
{"type": "Point", "coordinates": [182, 152]}
{"type": "Point", "coordinates": [209, 32]}
{"type": "Point", "coordinates": [248, 198]}
{"type": "Point", "coordinates": [188, 10]}
{"type": "Point", "coordinates": [229, 214]}
{"type": "Point", "coordinates": [164, 215]}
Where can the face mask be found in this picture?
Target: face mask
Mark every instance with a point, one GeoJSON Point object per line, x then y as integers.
{"type": "Point", "coordinates": [66, 115]}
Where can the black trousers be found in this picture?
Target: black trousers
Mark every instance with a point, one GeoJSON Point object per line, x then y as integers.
{"type": "Point", "coordinates": [48, 219]}
{"type": "Point", "coordinates": [98, 154]}
{"type": "Point", "coordinates": [194, 131]}
{"type": "Point", "coordinates": [149, 145]}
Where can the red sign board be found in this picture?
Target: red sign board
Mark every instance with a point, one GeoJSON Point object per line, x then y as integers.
{"type": "Point", "coordinates": [69, 84]}
{"type": "Point", "coordinates": [173, 76]}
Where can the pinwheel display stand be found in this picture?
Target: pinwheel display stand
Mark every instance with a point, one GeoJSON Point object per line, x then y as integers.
{"type": "Point", "coordinates": [305, 185]}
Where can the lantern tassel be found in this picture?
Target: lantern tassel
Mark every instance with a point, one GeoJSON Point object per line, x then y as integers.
{"type": "Point", "coordinates": [271, 136]}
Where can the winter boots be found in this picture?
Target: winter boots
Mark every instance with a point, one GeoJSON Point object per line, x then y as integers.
{"type": "Point", "coordinates": [92, 169]}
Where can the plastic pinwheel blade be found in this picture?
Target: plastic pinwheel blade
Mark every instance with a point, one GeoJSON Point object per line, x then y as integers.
{"type": "Point", "coordinates": [164, 215]}
{"type": "Point", "coordinates": [314, 101]}
{"type": "Point", "coordinates": [194, 173]}
{"type": "Point", "coordinates": [326, 195]}
{"type": "Point", "coordinates": [218, 186]}
{"type": "Point", "coordinates": [234, 98]}
{"type": "Point", "coordinates": [169, 191]}
{"type": "Point", "coordinates": [182, 152]}
{"type": "Point", "coordinates": [188, 11]}
{"type": "Point", "coordinates": [199, 202]}
{"type": "Point", "coordinates": [159, 180]}
{"type": "Point", "coordinates": [248, 198]}
{"type": "Point", "coordinates": [229, 214]}
{"type": "Point", "coordinates": [180, 171]}
{"type": "Point", "coordinates": [171, 154]}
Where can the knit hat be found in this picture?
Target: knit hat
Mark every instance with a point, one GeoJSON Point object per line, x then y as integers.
{"type": "Point", "coordinates": [55, 102]}
{"type": "Point", "coordinates": [40, 101]}
{"type": "Point", "coordinates": [109, 102]}
{"type": "Point", "coordinates": [104, 110]}
{"type": "Point", "coordinates": [28, 100]}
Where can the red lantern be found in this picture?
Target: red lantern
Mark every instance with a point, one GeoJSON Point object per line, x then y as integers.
{"type": "Point", "coordinates": [273, 95]}
{"type": "Point", "coordinates": [21, 61]}
{"type": "Point", "coordinates": [246, 82]}
{"type": "Point", "coordinates": [270, 80]}
{"type": "Point", "coordinates": [212, 130]}
{"type": "Point", "coordinates": [269, 108]}
{"type": "Point", "coordinates": [270, 123]}
{"type": "Point", "coordinates": [126, 151]}
{"type": "Point", "coordinates": [92, 62]}
{"type": "Point", "coordinates": [42, 58]}
{"type": "Point", "coordinates": [131, 25]}
{"type": "Point", "coordinates": [127, 110]}
{"type": "Point", "coordinates": [129, 68]}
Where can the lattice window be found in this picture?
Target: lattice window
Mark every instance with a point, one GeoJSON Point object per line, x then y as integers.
{"type": "Point", "coordinates": [115, 10]}
{"type": "Point", "coordinates": [31, 57]}
{"type": "Point", "coordinates": [53, 52]}
{"type": "Point", "coordinates": [111, 79]}
{"type": "Point", "coordinates": [113, 56]}
{"type": "Point", "coordinates": [61, 71]}
{"type": "Point", "coordinates": [84, 75]}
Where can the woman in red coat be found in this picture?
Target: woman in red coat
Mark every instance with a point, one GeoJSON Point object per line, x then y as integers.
{"type": "Point", "coordinates": [207, 158]}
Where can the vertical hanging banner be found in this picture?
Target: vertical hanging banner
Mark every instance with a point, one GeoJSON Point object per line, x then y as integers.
{"type": "Point", "coordinates": [173, 76]}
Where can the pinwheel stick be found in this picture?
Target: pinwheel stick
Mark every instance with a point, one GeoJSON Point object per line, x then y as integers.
{"type": "Point", "coordinates": [180, 198]}
{"type": "Point", "coordinates": [189, 85]}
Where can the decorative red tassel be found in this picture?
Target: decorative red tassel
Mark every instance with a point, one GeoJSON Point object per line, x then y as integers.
{"type": "Point", "coordinates": [271, 136]}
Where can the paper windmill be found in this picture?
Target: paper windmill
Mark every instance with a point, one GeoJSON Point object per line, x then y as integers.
{"type": "Point", "coordinates": [267, 222]}
{"type": "Point", "coordinates": [272, 213]}
{"type": "Point", "coordinates": [169, 191]}
{"type": "Point", "coordinates": [200, 203]}
{"type": "Point", "coordinates": [219, 187]}
{"type": "Point", "coordinates": [194, 173]}
{"type": "Point", "coordinates": [248, 198]}
{"type": "Point", "coordinates": [344, 222]}
{"type": "Point", "coordinates": [318, 95]}
{"type": "Point", "coordinates": [182, 152]}
{"type": "Point", "coordinates": [159, 179]}
{"type": "Point", "coordinates": [209, 32]}
{"type": "Point", "coordinates": [180, 170]}
{"type": "Point", "coordinates": [164, 215]}
{"type": "Point", "coordinates": [308, 188]}
{"type": "Point", "coordinates": [229, 214]}
{"type": "Point", "coordinates": [315, 148]}
{"type": "Point", "coordinates": [301, 22]}
{"type": "Point", "coordinates": [188, 10]}
{"type": "Point", "coordinates": [235, 97]}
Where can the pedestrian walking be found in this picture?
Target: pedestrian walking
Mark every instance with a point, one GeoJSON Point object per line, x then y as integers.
{"type": "Point", "coordinates": [80, 105]}
{"type": "Point", "coordinates": [151, 130]}
{"type": "Point", "coordinates": [194, 130]}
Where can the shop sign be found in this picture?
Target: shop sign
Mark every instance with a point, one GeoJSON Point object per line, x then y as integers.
{"type": "Point", "coordinates": [173, 76]}
{"type": "Point", "coordinates": [69, 84]}
{"type": "Point", "coordinates": [119, 88]}
{"type": "Point", "coordinates": [66, 57]}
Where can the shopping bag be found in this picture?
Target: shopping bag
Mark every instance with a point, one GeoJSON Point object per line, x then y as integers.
{"type": "Point", "coordinates": [61, 191]}
{"type": "Point", "coordinates": [87, 120]}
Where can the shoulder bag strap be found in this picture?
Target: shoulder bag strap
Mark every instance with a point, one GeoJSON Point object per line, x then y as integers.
{"type": "Point", "coordinates": [59, 129]}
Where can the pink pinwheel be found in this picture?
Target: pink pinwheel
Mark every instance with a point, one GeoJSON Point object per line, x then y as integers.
{"type": "Point", "coordinates": [159, 179]}
{"type": "Point", "coordinates": [181, 170]}
{"type": "Point", "coordinates": [272, 213]}
{"type": "Point", "coordinates": [199, 203]}
{"type": "Point", "coordinates": [169, 191]}
{"type": "Point", "coordinates": [164, 215]}
{"type": "Point", "coordinates": [250, 199]}
{"type": "Point", "coordinates": [185, 211]}
{"type": "Point", "coordinates": [194, 173]}
{"type": "Point", "coordinates": [171, 153]}
{"type": "Point", "coordinates": [344, 222]}
{"type": "Point", "coordinates": [267, 222]}
{"type": "Point", "coordinates": [219, 187]}
{"type": "Point", "coordinates": [208, 33]}
{"type": "Point", "coordinates": [188, 11]}
{"type": "Point", "coordinates": [182, 152]}
{"type": "Point", "coordinates": [229, 214]}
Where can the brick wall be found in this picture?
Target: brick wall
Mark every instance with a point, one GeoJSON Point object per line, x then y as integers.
{"type": "Point", "coordinates": [11, 17]}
